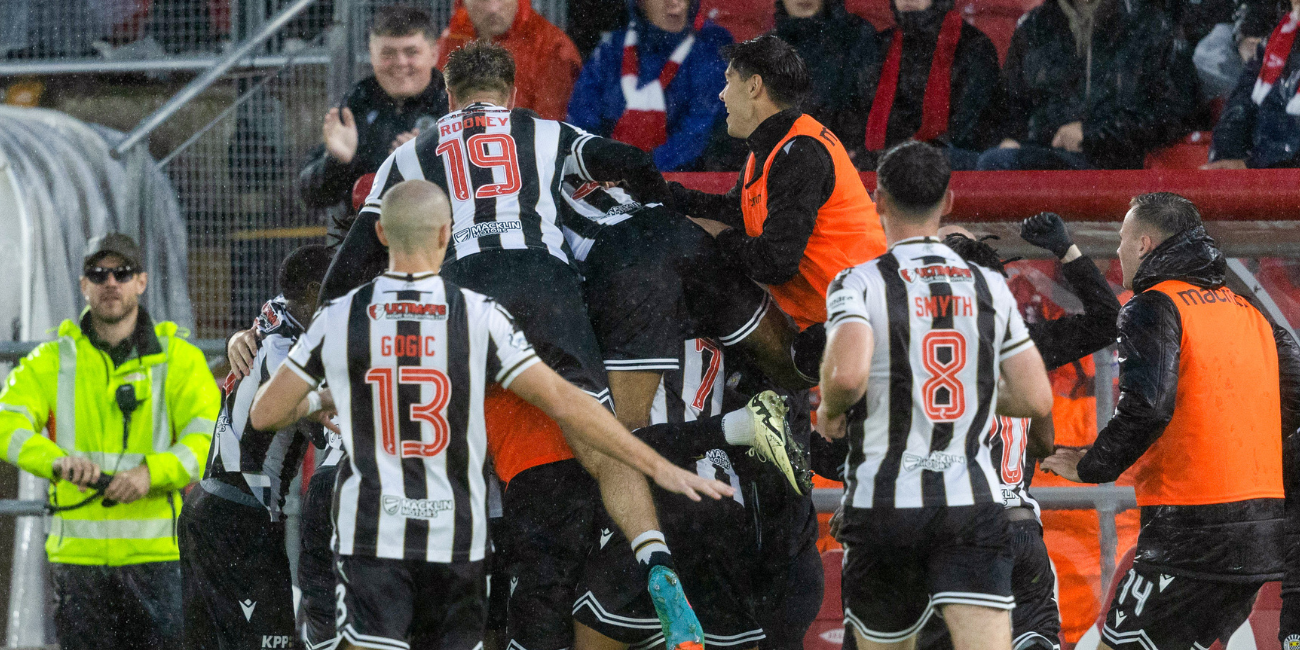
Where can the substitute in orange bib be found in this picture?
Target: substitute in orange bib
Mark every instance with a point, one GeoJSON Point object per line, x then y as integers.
{"type": "Point", "coordinates": [798, 214]}
{"type": "Point", "coordinates": [1208, 386]}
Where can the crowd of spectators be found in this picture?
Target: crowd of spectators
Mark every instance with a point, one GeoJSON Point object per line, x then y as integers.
{"type": "Point", "coordinates": [1082, 84]}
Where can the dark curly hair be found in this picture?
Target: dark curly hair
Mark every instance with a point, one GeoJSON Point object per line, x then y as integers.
{"type": "Point", "coordinates": [976, 251]}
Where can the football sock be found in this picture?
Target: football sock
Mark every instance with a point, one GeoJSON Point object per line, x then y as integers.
{"type": "Point", "coordinates": [738, 428]}
{"type": "Point", "coordinates": [651, 551]}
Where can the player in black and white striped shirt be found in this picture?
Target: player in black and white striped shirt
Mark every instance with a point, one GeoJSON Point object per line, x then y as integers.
{"type": "Point", "coordinates": [918, 342]}
{"type": "Point", "coordinates": [667, 316]}
{"type": "Point", "coordinates": [408, 358]}
{"type": "Point", "coordinates": [502, 171]}
{"type": "Point", "coordinates": [234, 570]}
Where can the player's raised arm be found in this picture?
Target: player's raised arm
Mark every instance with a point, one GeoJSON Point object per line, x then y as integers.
{"type": "Point", "coordinates": [583, 417]}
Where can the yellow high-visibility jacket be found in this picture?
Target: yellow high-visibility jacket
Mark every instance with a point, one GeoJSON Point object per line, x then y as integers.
{"type": "Point", "coordinates": [61, 400]}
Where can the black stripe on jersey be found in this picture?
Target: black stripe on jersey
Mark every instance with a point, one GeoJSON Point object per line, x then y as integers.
{"type": "Point", "coordinates": [408, 395]}
{"type": "Point", "coordinates": [458, 421]}
{"type": "Point", "coordinates": [525, 134]}
{"type": "Point", "coordinates": [363, 419]}
{"type": "Point", "coordinates": [900, 381]}
{"type": "Point", "coordinates": [933, 492]}
{"type": "Point", "coordinates": [986, 321]}
{"type": "Point", "coordinates": [485, 208]}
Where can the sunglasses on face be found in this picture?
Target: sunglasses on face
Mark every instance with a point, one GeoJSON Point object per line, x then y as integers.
{"type": "Point", "coordinates": [99, 274]}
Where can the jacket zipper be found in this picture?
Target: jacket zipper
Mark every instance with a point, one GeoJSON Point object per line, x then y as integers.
{"type": "Point", "coordinates": [758, 514]}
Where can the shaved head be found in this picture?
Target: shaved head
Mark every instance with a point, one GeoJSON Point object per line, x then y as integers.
{"type": "Point", "coordinates": [412, 215]}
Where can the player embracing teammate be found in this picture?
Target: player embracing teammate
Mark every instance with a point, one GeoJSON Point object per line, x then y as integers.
{"type": "Point", "coordinates": [924, 349]}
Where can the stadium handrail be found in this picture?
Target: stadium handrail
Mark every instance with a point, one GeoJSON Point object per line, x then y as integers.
{"type": "Point", "coordinates": [1221, 195]}
{"type": "Point", "coordinates": [202, 82]}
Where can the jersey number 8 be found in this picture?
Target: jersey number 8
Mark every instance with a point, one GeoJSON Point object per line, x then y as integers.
{"type": "Point", "coordinates": [430, 412]}
{"type": "Point", "coordinates": [486, 151]}
{"type": "Point", "coordinates": [943, 353]}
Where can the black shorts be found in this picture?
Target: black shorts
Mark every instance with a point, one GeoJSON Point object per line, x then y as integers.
{"type": "Point", "coordinates": [402, 604]}
{"type": "Point", "coordinates": [316, 564]}
{"type": "Point", "coordinates": [235, 582]}
{"type": "Point", "coordinates": [711, 544]}
{"type": "Point", "coordinates": [544, 538]}
{"type": "Point", "coordinates": [659, 264]}
{"type": "Point", "coordinates": [545, 297]}
{"type": "Point", "coordinates": [1289, 629]}
{"type": "Point", "coordinates": [1152, 609]}
{"type": "Point", "coordinates": [1036, 620]}
{"type": "Point", "coordinates": [902, 564]}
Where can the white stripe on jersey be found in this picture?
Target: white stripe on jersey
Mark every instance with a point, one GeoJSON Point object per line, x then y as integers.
{"type": "Point", "coordinates": [933, 313]}
{"type": "Point", "coordinates": [546, 141]}
{"type": "Point", "coordinates": [419, 376]}
{"type": "Point", "coordinates": [1009, 437]}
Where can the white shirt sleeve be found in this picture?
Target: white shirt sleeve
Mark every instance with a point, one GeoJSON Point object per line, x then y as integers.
{"type": "Point", "coordinates": [305, 357]}
{"type": "Point", "coordinates": [846, 298]}
{"type": "Point", "coordinates": [513, 352]}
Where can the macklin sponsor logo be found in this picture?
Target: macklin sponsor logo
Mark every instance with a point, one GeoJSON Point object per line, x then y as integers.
{"type": "Point", "coordinates": [487, 228]}
{"type": "Point", "coordinates": [931, 273]}
{"type": "Point", "coordinates": [935, 462]}
{"type": "Point", "coordinates": [407, 310]}
{"type": "Point", "coordinates": [416, 508]}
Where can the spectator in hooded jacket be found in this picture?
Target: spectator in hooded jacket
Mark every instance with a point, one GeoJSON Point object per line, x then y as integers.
{"type": "Point", "coordinates": [840, 50]}
{"type": "Point", "coordinates": [1230, 46]}
{"type": "Point", "coordinates": [1260, 127]}
{"type": "Point", "coordinates": [1093, 84]}
{"type": "Point", "coordinates": [380, 112]}
{"type": "Point", "coordinates": [959, 116]}
{"type": "Point", "coordinates": [655, 84]}
{"type": "Point", "coordinates": [546, 61]}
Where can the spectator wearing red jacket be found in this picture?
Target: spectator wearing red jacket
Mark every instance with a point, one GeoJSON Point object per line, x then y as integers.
{"type": "Point", "coordinates": [546, 61]}
{"type": "Point", "coordinates": [655, 84]}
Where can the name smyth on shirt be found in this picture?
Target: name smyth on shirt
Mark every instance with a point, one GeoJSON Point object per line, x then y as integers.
{"type": "Point", "coordinates": [416, 508]}
{"type": "Point", "coordinates": [941, 306]}
{"type": "Point", "coordinates": [487, 228]}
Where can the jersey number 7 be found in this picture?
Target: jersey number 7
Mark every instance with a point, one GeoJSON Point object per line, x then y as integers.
{"type": "Point", "coordinates": [486, 151]}
{"type": "Point", "coordinates": [431, 412]}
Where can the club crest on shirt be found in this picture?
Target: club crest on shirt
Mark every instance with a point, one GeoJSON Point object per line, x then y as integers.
{"type": "Point", "coordinates": [416, 508]}
{"type": "Point", "coordinates": [407, 310]}
{"type": "Point", "coordinates": [935, 462]}
{"type": "Point", "coordinates": [1292, 642]}
{"type": "Point", "coordinates": [931, 273]}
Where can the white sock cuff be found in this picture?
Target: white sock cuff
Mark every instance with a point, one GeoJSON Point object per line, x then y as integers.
{"type": "Point", "coordinates": [647, 544]}
{"type": "Point", "coordinates": [738, 428]}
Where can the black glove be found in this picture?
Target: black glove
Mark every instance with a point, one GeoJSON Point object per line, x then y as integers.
{"type": "Point", "coordinates": [1047, 230]}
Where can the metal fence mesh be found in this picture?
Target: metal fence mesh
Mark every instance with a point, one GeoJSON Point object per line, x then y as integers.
{"type": "Point", "coordinates": [237, 190]}
{"type": "Point", "coordinates": [139, 29]}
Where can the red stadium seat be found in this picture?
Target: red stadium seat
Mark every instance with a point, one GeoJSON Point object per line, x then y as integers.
{"type": "Point", "coordinates": [827, 632]}
{"type": "Point", "coordinates": [745, 19]}
{"type": "Point", "coordinates": [876, 11]}
{"type": "Point", "coordinates": [996, 18]}
{"type": "Point", "coordinates": [1191, 153]}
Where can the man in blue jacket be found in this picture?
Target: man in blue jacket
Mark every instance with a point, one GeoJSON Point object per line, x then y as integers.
{"type": "Point", "coordinates": [655, 84]}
